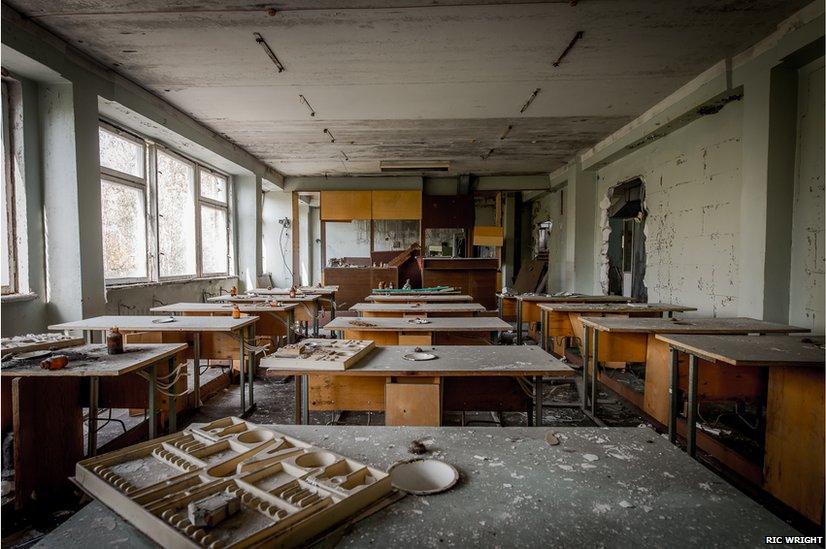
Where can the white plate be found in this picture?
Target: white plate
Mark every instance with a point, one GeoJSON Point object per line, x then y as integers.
{"type": "Point", "coordinates": [422, 476]}
{"type": "Point", "coordinates": [419, 356]}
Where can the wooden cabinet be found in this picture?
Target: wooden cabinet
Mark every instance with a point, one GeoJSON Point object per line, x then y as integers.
{"type": "Point", "coordinates": [346, 205]}
{"type": "Point", "coordinates": [397, 204]}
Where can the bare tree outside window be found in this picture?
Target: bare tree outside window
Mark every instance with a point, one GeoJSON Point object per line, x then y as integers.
{"type": "Point", "coordinates": [176, 216]}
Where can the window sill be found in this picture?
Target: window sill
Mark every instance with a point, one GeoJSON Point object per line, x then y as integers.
{"type": "Point", "coordinates": [119, 286]}
{"type": "Point", "coordinates": [15, 298]}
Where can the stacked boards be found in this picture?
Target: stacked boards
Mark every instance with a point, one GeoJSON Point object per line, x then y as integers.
{"type": "Point", "coordinates": [231, 483]}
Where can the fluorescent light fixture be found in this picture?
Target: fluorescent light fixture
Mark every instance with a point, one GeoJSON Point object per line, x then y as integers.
{"type": "Point", "coordinates": [414, 166]}
{"type": "Point", "coordinates": [530, 100]}
{"type": "Point", "coordinates": [330, 135]}
{"type": "Point", "coordinates": [303, 99]}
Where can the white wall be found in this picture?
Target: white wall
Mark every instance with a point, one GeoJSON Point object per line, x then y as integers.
{"type": "Point", "coordinates": [277, 246]}
{"type": "Point", "coordinates": [348, 239]}
{"type": "Point", "coordinates": [692, 194]}
{"type": "Point", "coordinates": [806, 296]}
{"type": "Point", "coordinates": [548, 207]}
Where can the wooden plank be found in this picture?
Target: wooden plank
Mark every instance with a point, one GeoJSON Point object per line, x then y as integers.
{"type": "Point", "coordinates": [322, 354]}
{"type": "Point", "coordinates": [416, 404]}
{"type": "Point", "coordinates": [379, 337]}
{"type": "Point", "coordinates": [350, 393]}
{"type": "Point", "coordinates": [735, 325]}
{"type": "Point", "coordinates": [804, 351]}
{"type": "Point", "coordinates": [488, 235]}
{"type": "Point", "coordinates": [793, 467]}
{"type": "Point", "coordinates": [437, 324]}
{"type": "Point", "coordinates": [48, 438]}
{"type": "Point", "coordinates": [598, 309]}
{"type": "Point", "coordinates": [415, 338]}
{"type": "Point", "coordinates": [396, 205]}
{"type": "Point", "coordinates": [346, 205]}
{"type": "Point", "coordinates": [415, 308]}
{"type": "Point", "coordinates": [622, 347]}
{"type": "Point", "coordinates": [149, 323]}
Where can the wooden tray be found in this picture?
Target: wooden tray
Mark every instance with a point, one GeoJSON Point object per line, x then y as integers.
{"type": "Point", "coordinates": [322, 354]}
{"type": "Point", "coordinates": [289, 491]}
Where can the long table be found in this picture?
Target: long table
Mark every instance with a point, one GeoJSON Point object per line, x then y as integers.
{"type": "Point", "coordinates": [326, 294]}
{"type": "Point", "coordinates": [517, 491]}
{"type": "Point", "coordinates": [417, 309]}
{"type": "Point", "coordinates": [308, 310]}
{"type": "Point", "coordinates": [272, 318]}
{"type": "Point", "coordinates": [418, 298]}
{"type": "Point", "coordinates": [527, 305]}
{"type": "Point", "coordinates": [563, 319]}
{"type": "Point", "coordinates": [412, 392]}
{"type": "Point", "coordinates": [46, 405]}
{"type": "Point", "coordinates": [794, 438]}
{"type": "Point", "coordinates": [404, 331]}
{"type": "Point", "coordinates": [212, 337]}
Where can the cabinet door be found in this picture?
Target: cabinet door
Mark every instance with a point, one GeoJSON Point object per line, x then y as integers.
{"type": "Point", "coordinates": [397, 204]}
{"type": "Point", "coordinates": [345, 205]}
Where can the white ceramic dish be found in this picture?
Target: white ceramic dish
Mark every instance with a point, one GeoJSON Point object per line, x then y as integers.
{"type": "Point", "coordinates": [423, 477]}
{"type": "Point", "coordinates": [418, 356]}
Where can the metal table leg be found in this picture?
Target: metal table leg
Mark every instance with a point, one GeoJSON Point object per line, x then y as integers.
{"type": "Point", "coordinates": [594, 371]}
{"type": "Point", "coordinates": [196, 361]}
{"type": "Point", "coordinates": [251, 379]}
{"type": "Point", "coordinates": [305, 399]}
{"type": "Point", "coordinates": [315, 320]}
{"type": "Point", "coordinates": [173, 411]}
{"type": "Point", "coordinates": [585, 348]}
{"type": "Point", "coordinates": [691, 424]}
{"type": "Point", "coordinates": [290, 326]}
{"type": "Point", "coordinates": [153, 407]}
{"type": "Point", "coordinates": [537, 400]}
{"type": "Point", "coordinates": [673, 390]}
{"type": "Point", "coordinates": [519, 322]}
{"type": "Point", "coordinates": [543, 342]}
{"type": "Point", "coordinates": [92, 441]}
{"type": "Point", "coordinates": [499, 305]}
{"type": "Point", "coordinates": [241, 368]}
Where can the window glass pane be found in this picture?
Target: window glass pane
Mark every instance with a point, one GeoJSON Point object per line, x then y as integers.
{"type": "Point", "coordinates": [176, 216]}
{"type": "Point", "coordinates": [6, 270]}
{"type": "Point", "coordinates": [121, 154]}
{"type": "Point", "coordinates": [124, 231]}
{"type": "Point", "coordinates": [7, 203]}
{"type": "Point", "coordinates": [214, 245]}
{"type": "Point", "coordinates": [213, 186]}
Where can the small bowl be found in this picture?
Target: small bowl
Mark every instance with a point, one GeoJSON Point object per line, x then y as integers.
{"type": "Point", "coordinates": [423, 477]}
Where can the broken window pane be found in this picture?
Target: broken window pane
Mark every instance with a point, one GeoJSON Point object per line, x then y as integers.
{"type": "Point", "coordinates": [124, 230]}
{"type": "Point", "coordinates": [176, 216]}
{"type": "Point", "coordinates": [121, 154]}
{"type": "Point", "coordinates": [214, 244]}
{"type": "Point", "coordinates": [213, 186]}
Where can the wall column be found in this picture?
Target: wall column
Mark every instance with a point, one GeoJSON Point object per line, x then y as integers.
{"type": "Point", "coordinates": [580, 218]}
{"type": "Point", "coordinates": [248, 206]}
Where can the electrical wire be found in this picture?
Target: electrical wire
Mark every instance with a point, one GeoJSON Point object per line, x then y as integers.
{"type": "Point", "coordinates": [281, 249]}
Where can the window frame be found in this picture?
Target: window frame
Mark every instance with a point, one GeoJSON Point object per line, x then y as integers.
{"type": "Point", "coordinates": [122, 178]}
{"type": "Point", "coordinates": [218, 205]}
{"type": "Point", "coordinates": [150, 186]}
{"type": "Point", "coordinates": [8, 175]}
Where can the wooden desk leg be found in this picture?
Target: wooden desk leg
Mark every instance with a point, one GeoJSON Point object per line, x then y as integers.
{"type": "Point", "coordinates": [173, 409]}
{"type": "Point", "coordinates": [92, 441]}
{"type": "Point", "coordinates": [153, 407]}
{"type": "Point", "coordinates": [691, 424]}
{"type": "Point", "coordinates": [519, 322]}
{"type": "Point", "coordinates": [241, 358]}
{"type": "Point", "coordinates": [673, 391]}
{"type": "Point", "coordinates": [305, 400]}
{"type": "Point", "coordinates": [585, 350]}
{"type": "Point", "coordinates": [196, 361]}
{"type": "Point", "coordinates": [537, 400]}
{"type": "Point", "coordinates": [594, 371]}
{"type": "Point", "coordinates": [315, 321]}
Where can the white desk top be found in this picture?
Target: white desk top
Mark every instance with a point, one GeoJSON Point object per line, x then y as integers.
{"type": "Point", "coordinates": [151, 323]}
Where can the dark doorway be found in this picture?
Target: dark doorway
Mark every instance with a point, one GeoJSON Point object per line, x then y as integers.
{"type": "Point", "coordinates": [626, 243]}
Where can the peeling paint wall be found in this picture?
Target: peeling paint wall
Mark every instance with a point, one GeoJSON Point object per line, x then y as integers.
{"type": "Point", "coordinates": [137, 300]}
{"type": "Point", "coordinates": [278, 241]}
{"type": "Point", "coordinates": [806, 295]}
{"type": "Point", "coordinates": [693, 182]}
{"type": "Point", "coordinates": [348, 239]}
{"type": "Point", "coordinates": [549, 207]}
{"type": "Point", "coordinates": [395, 234]}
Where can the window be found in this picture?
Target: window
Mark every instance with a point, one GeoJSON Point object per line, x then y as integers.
{"type": "Point", "coordinates": [176, 216]}
{"type": "Point", "coordinates": [214, 223]}
{"type": "Point", "coordinates": [9, 271]}
{"type": "Point", "coordinates": [123, 192]}
{"type": "Point", "coordinates": [155, 199]}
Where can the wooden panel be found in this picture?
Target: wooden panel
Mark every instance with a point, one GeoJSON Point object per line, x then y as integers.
{"type": "Point", "coordinates": [622, 347]}
{"type": "Point", "coordinates": [356, 393]}
{"type": "Point", "coordinates": [657, 381]}
{"type": "Point", "coordinates": [488, 235]}
{"type": "Point", "coordinates": [508, 308]}
{"type": "Point", "coordinates": [219, 345]}
{"type": "Point", "coordinates": [415, 338]}
{"type": "Point", "coordinates": [793, 467]}
{"type": "Point", "coordinates": [558, 325]}
{"type": "Point", "coordinates": [418, 404]}
{"type": "Point", "coordinates": [345, 205]}
{"type": "Point", "coordinates": [397, 204]}
{"type": "Point", "coordinates": [462, 338]}
{"type": "Point", "coordinates": [48, 438]}
{"type": "Point", "coordinates": [379, 337]}
{"type": "Point", "coordinates": [471, 394]}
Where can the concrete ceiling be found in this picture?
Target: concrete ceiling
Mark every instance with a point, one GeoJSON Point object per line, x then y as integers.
{"type": "Point", "coordinates": [407, 80]}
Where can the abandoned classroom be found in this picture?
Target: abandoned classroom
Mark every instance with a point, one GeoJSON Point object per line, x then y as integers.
{"type": "Point", "coordinates": [412, 274]}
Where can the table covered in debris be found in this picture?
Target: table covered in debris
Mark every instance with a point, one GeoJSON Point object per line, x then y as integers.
{"type": "Point", "coordinates": [622, 487]}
